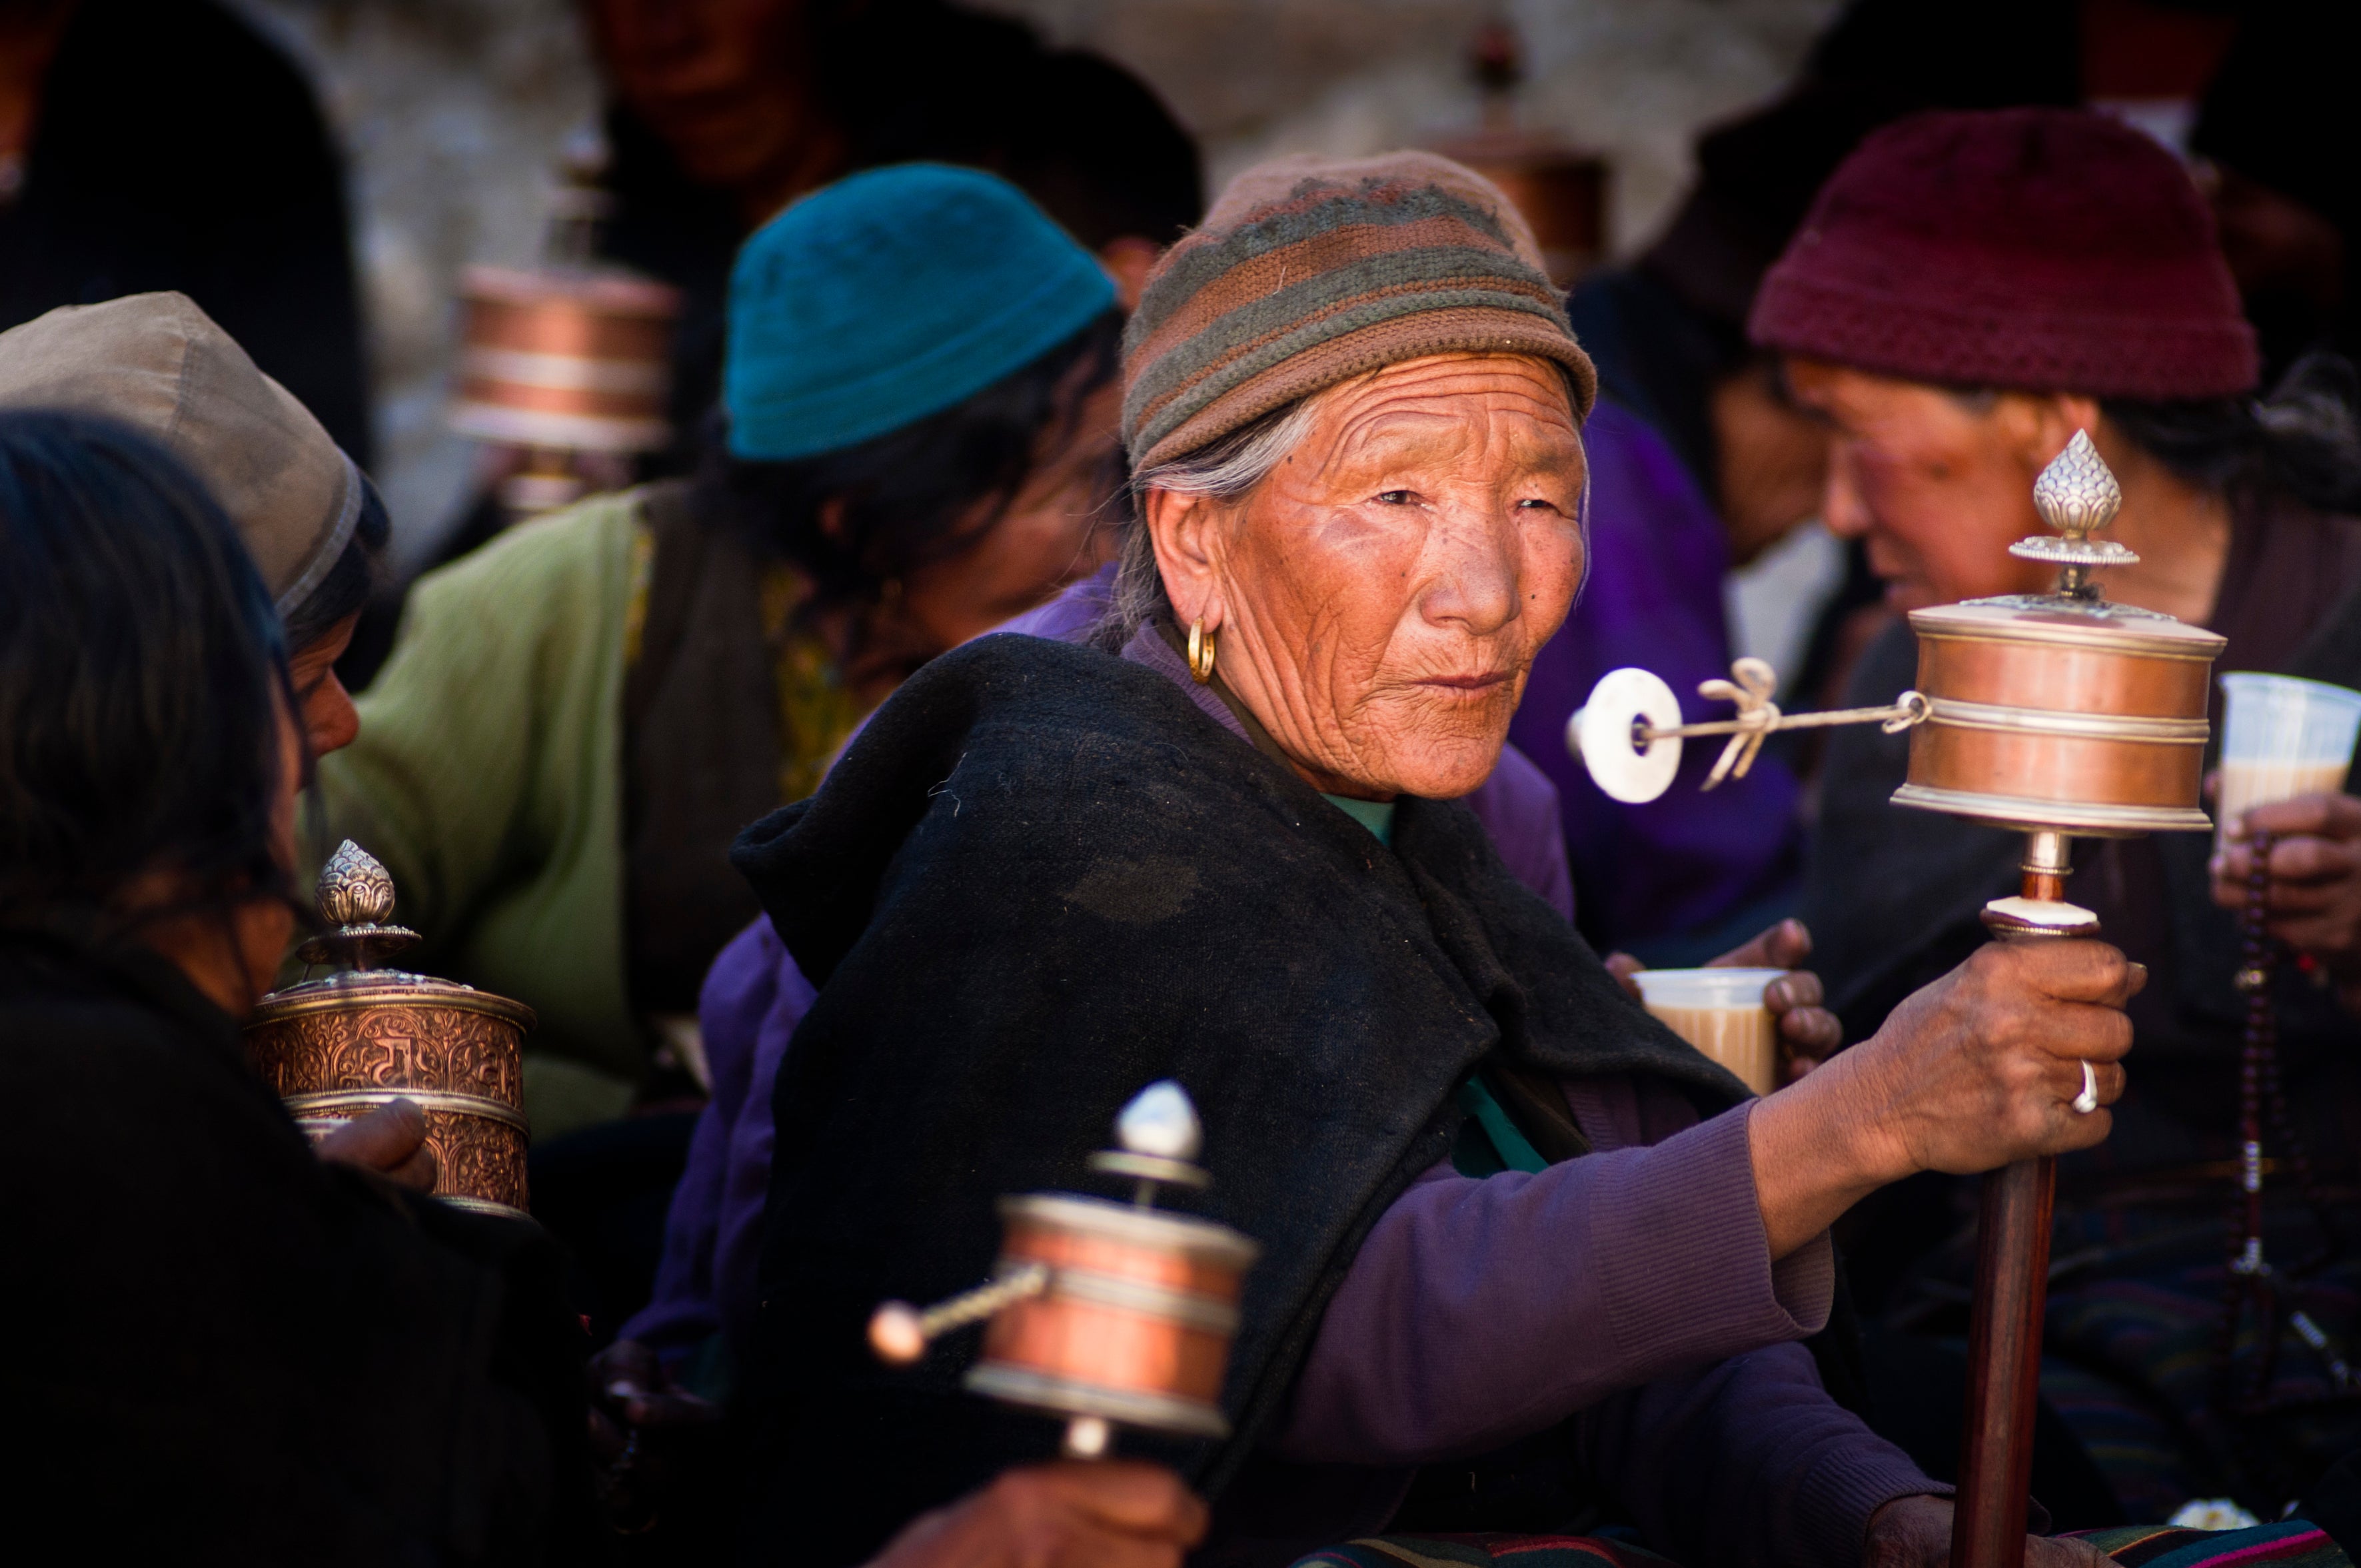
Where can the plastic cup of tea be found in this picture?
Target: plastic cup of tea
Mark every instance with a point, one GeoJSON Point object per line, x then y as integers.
{"type": "Point", "coordinates": [2281, 737]}
{"type": "Point", "coordinates": [1720, 1011]}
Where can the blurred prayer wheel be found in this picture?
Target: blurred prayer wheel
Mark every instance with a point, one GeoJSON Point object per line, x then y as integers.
{"type": "Point", "coordinates": [1101, 1311]}
{"type": "Point", "coordinates": [566, 360]}
{"type": "Point", "coordinates": [1560, 192]}
{"type": "Point", "coordinates": [340, 1046]}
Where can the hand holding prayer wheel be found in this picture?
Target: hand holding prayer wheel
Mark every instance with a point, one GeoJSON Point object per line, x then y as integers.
{"type": "Point", "coordinates": [1976, 1072]}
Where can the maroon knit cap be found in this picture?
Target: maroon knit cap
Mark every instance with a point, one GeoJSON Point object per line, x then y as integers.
{"type": "Point", "coordinates": [2041, 249]}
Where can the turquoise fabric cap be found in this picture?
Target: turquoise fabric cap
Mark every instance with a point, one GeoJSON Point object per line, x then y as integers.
{"type": "Point", "coordinates": [889, 296]}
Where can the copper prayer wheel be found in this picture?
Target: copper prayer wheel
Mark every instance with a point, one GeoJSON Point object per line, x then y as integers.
{"type": "Point", "coordinates": [340, 1046]}
{"type": "Point", "coordinates": [566, 360]}
{"type": "Point", "coordinates": [2089, 719]}
{"type": "Point", "coordinates": [1108, 1313]}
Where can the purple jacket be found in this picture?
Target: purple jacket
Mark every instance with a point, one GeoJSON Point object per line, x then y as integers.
{"type": "Point", "coordinates": [1688, 864]}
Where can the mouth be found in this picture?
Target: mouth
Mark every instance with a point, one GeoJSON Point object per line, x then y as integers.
{"type": "Point", "coordinates": [1471, 685]}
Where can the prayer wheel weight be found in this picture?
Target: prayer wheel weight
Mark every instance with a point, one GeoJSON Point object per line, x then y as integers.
{"type": "Point", "coordinates": [1106, 1313]}
{"type": "Point", "coordinates": [340, 1046]}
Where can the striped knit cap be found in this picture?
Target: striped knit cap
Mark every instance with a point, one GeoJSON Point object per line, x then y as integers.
{"type": "Point", "coordinates": [1309, 272]}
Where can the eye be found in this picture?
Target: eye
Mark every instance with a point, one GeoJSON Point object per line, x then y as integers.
{"type": "Point", "coordinates": [1537, 504]}
{"type": "Point", "coordinates": [1396, 497]}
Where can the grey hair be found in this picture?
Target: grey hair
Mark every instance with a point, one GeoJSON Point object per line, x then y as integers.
{"type": "Point", "coordinates": [1227, 469]}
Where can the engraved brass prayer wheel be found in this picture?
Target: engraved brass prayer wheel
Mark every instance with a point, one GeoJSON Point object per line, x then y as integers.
{"type": "Point", "coordinates": [1104, 1312]}
{"type": "Point", "coordinates": [339, 1046]}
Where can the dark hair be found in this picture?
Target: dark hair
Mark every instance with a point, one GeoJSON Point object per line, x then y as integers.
{"type": "Point", "coordinates": [909, 497]}
{"type": "Point", "coordinates": [2301, 442]}
{"type": "Point", "coordinates": [345, 590]}
{"type": "Point", "coordinates": [141, 667]}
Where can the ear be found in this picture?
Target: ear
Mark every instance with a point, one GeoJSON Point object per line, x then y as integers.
{"type": "Point", "coordinates": [2041, 424]}
{"type": "Point", "coordinates": [1188, 534]}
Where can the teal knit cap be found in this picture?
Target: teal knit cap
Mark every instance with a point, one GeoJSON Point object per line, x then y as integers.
{"type": "Point", "coordinates": [889, 296]}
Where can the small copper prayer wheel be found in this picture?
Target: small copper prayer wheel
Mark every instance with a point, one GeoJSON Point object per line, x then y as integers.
{"type": "Point", "coordinates": [1104, 1312]}
{"type": "Point", "coordinates": [566, 360]}
{"type": "Point", "coordinates": [340, 1046]}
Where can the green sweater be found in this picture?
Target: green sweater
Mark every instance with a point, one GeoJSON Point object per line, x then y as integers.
{"type": "Point", "coordinates": [488, 778]}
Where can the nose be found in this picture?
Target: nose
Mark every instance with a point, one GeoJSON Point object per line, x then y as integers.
{"type": "Point", "coordinates": [1843, 510]}
{"type": "Point", "coordinates": [1475, 583]}
{"type": "Point", "coordinates": [331, 723]}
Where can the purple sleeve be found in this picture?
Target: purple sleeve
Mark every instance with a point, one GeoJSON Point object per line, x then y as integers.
{"type": "Point", "coordinates": [1480, 1311]}
{"type": "Point", "coordinates": [1519, 807]}
{"type": "Point", "coordinates": [1747, 1461]}
{"type": "Point", "coordinates": [1657, 559]}
{"type": "Point", "coordinates": [738, 990]}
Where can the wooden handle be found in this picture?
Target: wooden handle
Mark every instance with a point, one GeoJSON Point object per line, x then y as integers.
{"type": "Point", "coordinates": [2003, 1365]}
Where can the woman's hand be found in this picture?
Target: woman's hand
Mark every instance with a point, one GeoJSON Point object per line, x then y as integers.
{"type": "Point", "coordinates": [1974, 1071]}
{"type": "Point", "coordinates": [390, 1141]}
{"type": "Point", "coordinates": [2315, 888]}
{"type": "Point", "coordinates": [1102, 1513]}
{"type": "Point", "coordinates": [1808, 1032]}
{"type": "Point", "coordinates": [1915, 1532]}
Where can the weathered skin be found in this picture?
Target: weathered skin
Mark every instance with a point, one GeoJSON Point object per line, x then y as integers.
{"type": "Point", "coordinates": [1379, 600]}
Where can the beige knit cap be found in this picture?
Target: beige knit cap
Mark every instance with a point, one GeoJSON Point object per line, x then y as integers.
{"type": "Point", "coordinates": [1309, 272]}
{"type": "Point", "coordinates": [160, 365]}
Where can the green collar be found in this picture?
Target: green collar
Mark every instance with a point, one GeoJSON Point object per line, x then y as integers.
{"type": "Point", "coordinates": [1377, 816]}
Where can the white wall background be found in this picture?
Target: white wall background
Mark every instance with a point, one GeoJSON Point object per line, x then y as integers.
{"type": "Point", "coordinates": [453, 113]}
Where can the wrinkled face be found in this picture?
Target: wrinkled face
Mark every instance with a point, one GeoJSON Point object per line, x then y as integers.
{"type": "Point", "coordinates": [1379, 599]}
{"type": "Point", "coordinates": [1938, 486]}
{"type": "Point", "coordinates": [712, 78]}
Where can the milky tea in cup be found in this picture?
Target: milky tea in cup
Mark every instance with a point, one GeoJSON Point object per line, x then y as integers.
{"type": "Point", "coordinates": [1720, 1011]}
{"type": "Point", "coordinates": [2281, 737]}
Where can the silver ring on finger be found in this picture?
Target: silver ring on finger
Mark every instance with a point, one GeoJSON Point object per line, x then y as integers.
{"type": "Point", "coordinates": [2088, 1100]}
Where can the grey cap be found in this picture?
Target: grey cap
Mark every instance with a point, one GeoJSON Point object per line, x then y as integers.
{"type": "Point", "coordinates": [159, 364]}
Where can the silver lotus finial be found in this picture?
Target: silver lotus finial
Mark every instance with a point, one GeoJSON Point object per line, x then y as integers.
{"type": "Point", "coordinates": [354, 888]}
{"type": "Point", "coordinates": [2077, 494]}
{"type": "Point", "coordinates": [355, 897]}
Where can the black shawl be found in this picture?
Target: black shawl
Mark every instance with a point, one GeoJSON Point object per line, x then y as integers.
{"type": "Point", "coordinates": [1040, 879]}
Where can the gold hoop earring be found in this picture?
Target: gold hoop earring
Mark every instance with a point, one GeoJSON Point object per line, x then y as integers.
{"type": "Point", "coordinates": [1201, 652]}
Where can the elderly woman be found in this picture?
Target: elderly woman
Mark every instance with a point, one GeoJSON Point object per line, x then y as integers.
{"type": "Point", "coordinates": [1970, 290]}
{"type": "Point", "coordinates": [1516, 1235]}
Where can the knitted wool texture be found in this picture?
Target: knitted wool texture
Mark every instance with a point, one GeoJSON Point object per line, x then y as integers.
{"type": "Point", "coordinates": [889, 296]}
{"type": "Point", "coordinates": [1309, 272]}
{"type": "Point", "coordinates": [2041, 249]}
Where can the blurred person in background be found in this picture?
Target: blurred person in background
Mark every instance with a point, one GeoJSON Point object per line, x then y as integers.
{"type": "Point", "coordinates": [721, 112]}
{"type": "Point", "coordinates": [1968, 291]}
{"type": "Point", "coordinates": [150, 144]}
{"type": "Point", "coordinates": [336, 1368]}
{"type": "Point", "coordinates": [919, 433]}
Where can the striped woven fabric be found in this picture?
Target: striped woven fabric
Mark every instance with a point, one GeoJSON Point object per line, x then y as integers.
{"type": "Point", "coordinates": [2290, 1543]}
{"type": "Point", "coordinates": [1485, 1552]}
{"type": "Point", "coordinates": [1309, 272]}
